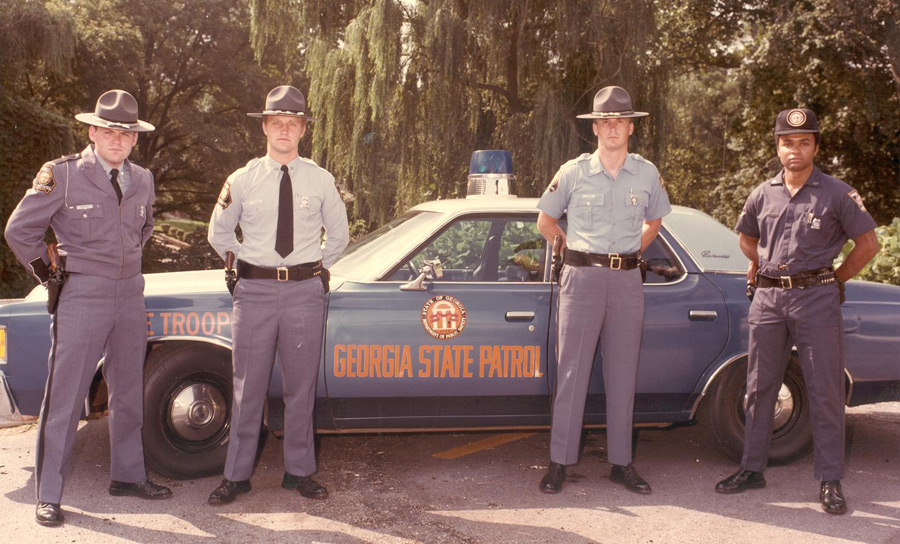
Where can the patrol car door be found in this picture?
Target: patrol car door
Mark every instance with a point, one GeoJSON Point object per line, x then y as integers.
{"type": "Point", "coordinates": [468, 350]}
{"type": "Point", "coordinates": [685, 328]}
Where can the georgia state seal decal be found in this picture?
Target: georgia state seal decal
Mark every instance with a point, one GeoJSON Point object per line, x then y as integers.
{"type": "Point", "coordinates": [444, 317]}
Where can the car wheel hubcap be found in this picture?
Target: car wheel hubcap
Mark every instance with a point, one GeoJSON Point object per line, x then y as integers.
{"type": "Point", "coordinates": [784, 407]}
{"type": "Point", "coordinates": [197, 412]}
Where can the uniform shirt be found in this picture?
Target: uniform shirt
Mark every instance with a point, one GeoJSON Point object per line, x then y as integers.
{"type": "Point", "coordinates": [97, 234]}
{"type": "Point", "coordinates": [605, 214]}
{"type": "Point", "coordinates": [806, 231]}
{"type": "Point", "coordinates": [124, 177]}
{"type": "Point", "coordinates": [250, 198]}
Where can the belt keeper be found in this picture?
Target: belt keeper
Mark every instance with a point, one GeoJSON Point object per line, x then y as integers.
{"type": "Point", "coordinates": [279, 271]}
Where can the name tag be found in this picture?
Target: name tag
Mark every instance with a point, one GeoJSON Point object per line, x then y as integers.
{"type": "Point", "coordinates": [84, 207]}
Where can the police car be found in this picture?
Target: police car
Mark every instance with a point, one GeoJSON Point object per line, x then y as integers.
{"type": "Point", "coordinates": [443, 319]}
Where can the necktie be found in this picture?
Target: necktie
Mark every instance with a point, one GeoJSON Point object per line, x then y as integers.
{"type": "Point", "coordinates": [284, 234]}
{"type": "Point", "coordinates": [114, 179]}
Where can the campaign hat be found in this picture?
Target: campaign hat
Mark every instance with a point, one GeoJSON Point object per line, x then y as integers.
{"type": "Point", "coordinates": [116, 109]}
{"type": "Point", "coordinates": [611, 103]}
{"type": "Point", "coordinates": [285, 100]}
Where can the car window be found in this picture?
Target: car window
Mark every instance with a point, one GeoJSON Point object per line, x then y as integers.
{"type": "Point", "coordinates": [483, 249]}
{"type": "Point", "coordinates": [662, 266]}
{"type": "Point", "coordinates": [711, 244]}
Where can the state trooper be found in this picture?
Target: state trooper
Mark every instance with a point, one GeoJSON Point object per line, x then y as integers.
{"type": "Point", "coordinates": [100, 207]}
{"type": "Point", "coordinates": [792, 228]}
{"type": "Point", "coordinates": [614, 202]}
{"type": "Point", "coordinates": [282, 202]}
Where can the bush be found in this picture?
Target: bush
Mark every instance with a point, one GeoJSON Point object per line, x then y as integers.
{"type": "Point", "coordinates": [885, 267]}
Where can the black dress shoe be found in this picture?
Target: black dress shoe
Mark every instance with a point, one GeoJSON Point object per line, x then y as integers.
{"type": "Point", "coordinates": [832, 498]}
{"type": "Point", "coordinates": [552, 482]}
{"type": "Point", "coordinates": [48, 514]}
{"type": "Point", "coordinates": [307, 487]}
{"type": "Point", "coordinates": [628, 477]}
{"type": "Point", "coordinates": [227, 491]}
{"type": "Point", "coordinates": [144, 490]}
{"type": "Point", "coordinates": [741, 481]}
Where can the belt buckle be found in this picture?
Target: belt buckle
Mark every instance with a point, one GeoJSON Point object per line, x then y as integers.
{"type": "Point", "coordinates": [788, 284]}
{"type": "Point", "coordinates": [615, 262]}
{"type": "Point", "coordinates": [279, 275]}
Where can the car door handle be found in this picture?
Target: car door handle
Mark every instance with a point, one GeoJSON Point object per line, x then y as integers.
{"type": "Point", "coordinates": [703, 315]}
{"type": "Point", "coordinates": [520, 316]}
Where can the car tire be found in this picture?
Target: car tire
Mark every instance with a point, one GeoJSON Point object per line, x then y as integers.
{"type": "Point", "coordinates": [187, 410]}
{"type": "Point", "coordinates": [792, 431]}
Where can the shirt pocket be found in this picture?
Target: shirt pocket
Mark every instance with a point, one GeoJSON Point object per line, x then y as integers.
{"type": "Point", "coordinates": [85, 223]}
{"type": "Point", "coordinates": [815, 225]}
{"type": "Point", "coordinates": [585, 210]}
{"type": "Point", "coordinates": [256, 208]}
{"type": "Point", "coordinates": [636, 207]}
{"type": "Point", "coordinates": [134, 217]}
{"type": "Point", "coordinates": [307, 214]}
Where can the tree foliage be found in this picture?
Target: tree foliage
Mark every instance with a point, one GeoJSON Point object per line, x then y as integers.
{"type": "Point", "coordinates": [408, 89]}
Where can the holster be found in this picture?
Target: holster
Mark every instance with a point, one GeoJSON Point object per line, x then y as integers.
{"type": "Point", "coordinates": [643, 266]}
{"type": "Point", "coordinates": [231, 277]}
{"type": "Point", "coordinates": [54, 290]}
{"type": "Point", "coordinates": [325, 276]}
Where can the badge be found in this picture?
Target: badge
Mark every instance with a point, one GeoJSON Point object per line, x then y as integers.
{"type": "Point", "coordinates": [633, 200]}
{"type": "Point", "coordinates": [44, 181]}
{"type": "Point", "coordinates": [444, 317]}
{"type": "Point", "coordinates": [796, 118]}
{"type": "Point", "coordinates": [554, 183]}
{"type": "Point", "coordinates": [854, 194]}
{"type": "Point", "coordinates": [304, 202]}
{"type": "Point", "coordinates": [816, 223]}
{"type": "Point", "coordinates": [225, 194]}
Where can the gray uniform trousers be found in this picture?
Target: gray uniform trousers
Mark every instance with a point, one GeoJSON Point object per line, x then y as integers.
{"type": "Point", "coordinates": [267, 315]}
{"type": "Point", "coordinates": [96, 317]}
{"type": "Point", "coordinates": [597, 303]}
{"type": "Point", "coordinates": [810, 319]}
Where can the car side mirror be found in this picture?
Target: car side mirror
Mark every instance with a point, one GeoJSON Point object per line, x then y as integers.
{"type": "Point", "coordinates": [431, 270]}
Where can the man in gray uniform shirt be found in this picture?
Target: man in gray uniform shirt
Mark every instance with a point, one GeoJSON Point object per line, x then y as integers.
{"type": "Point", "coordinates": [614, 202]}
{"type": "Point", "coordinates": [282, 202]}
{"type": "Point", "coordinates": [792, 228]}
{"type": "Point", "coordinates": [100, 207]}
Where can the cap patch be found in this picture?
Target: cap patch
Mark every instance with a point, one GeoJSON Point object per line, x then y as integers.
{"type": "Point", "coordinates": [796, 118]}
{"type": "Point", "coordinates": [854, 194]}
{"type": "Point", "coordinates": [225, 195]}
{"type": "Point", "coordinates": [44, 181]}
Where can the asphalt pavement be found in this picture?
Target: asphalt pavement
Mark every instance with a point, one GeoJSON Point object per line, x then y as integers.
{"type": "Point", "coordinates": [475, 487]}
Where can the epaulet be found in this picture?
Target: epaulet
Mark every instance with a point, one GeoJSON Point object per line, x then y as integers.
{"type": "Point", "coordinates": [638, 157]}
{"type": "Point", "coordinates": [309, 161]}
{"type": "Point", "coordinates": [44, 181]}
{"type": "Point", "coordinates": [66, 158]}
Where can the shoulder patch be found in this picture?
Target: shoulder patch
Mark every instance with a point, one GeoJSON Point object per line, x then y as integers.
{"type": "Point", "coordinates": [44, 181]}
{"type": "Point", "coordinates": [854, 194]}
{"type": "Point", "coordinates": [554, 183]}
{"type": "Point", "coordinates": [225, 194]}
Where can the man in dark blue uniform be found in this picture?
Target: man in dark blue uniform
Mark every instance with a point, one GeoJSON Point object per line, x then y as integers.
{"type": "Point", "coordinates": [792, 228]}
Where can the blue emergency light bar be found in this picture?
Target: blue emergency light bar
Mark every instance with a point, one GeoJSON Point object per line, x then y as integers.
{"type": "Point", "coordinates": [492, 161]}
{"type": "Point", "coordinates": [490, 174]}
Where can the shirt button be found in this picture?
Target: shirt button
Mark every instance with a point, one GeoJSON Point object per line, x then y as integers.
{"type": "Point", "coordinates": [84, 215]}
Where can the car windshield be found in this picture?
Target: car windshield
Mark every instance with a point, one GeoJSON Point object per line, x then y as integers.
{"type": "Point", "coordinates": [711, 244]}
{"type": "Point", "coordinates": [383, 247]}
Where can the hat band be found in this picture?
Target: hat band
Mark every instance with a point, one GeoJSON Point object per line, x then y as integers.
{"type": "Point", "coordinates": [283, 112]}
{"type": "Point", "coordinates": [613, 113]}
{"type": "Point", "coordinates": [110, 123]}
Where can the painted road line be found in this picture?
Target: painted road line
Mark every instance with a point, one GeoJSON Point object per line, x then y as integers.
{"type": "Point", "coordinates": [485, 444]}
